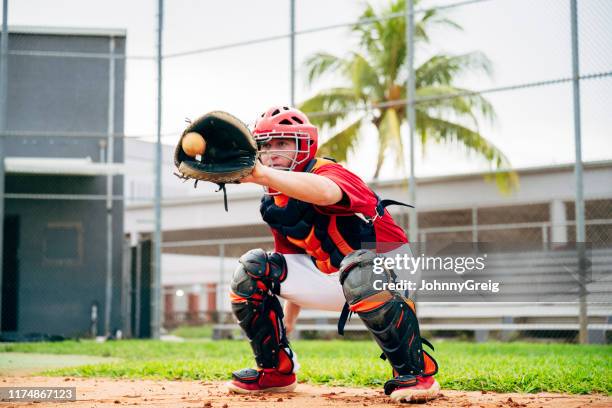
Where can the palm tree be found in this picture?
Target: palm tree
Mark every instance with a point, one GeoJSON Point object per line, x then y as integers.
{"type": "Point", "coordinates": [375, 76]}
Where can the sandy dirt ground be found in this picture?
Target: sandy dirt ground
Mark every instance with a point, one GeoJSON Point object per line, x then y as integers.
{"type": "Point", "coordinates": [201, 394]}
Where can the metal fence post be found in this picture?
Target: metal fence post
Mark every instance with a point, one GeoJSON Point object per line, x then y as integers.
{"type": "Point", "coordinates": [108, 296]}
{"type": "Point", "coordinates": [4, 65]}
{"type": "Point", "coordinates": [292, 51]}
{"type": "Point", "coordinates": [411, 110]}
{"type": "Point", "coordinates": [156, 303]}
{"type": "Point", "coordinates": [3, 85]}
{"type": "Point", "coordinates": [579, 203]}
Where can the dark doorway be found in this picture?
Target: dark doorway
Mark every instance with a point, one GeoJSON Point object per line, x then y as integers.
{"type": "Point", "coordinates": [10, 274]}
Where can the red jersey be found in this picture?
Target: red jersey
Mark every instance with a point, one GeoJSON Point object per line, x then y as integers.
{"type": "Point", "coordinates": [357, 198]}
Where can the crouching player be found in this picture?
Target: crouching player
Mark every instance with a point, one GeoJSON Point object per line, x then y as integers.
{"type": "Point", "coordinates": [319, 214]}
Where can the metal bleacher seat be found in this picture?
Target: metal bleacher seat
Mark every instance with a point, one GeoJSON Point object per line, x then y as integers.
{"type": "Point", "coordinates": [539, 292]}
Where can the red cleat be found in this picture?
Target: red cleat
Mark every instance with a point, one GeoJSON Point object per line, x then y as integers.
{"type": "Point", "coordinates": [409, 388]}
{"type": "Point", "coordinates": [248, 380]}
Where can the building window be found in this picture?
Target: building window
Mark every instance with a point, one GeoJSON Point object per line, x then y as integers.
{"type": "Point", "coordinates": [63, 244]}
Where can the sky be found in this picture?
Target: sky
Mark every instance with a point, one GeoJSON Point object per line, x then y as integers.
{"type": "Point", "coordinates": [526, 41]}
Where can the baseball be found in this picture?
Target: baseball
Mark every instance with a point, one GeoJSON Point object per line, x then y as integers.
{"type": "Point", "coordinates": [193, 144]}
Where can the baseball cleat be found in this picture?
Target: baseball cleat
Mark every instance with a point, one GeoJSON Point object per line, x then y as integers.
{"type": "Point", "coordinates": [409, 388]}
{"type": "Point", "coordinates": [250, 381]}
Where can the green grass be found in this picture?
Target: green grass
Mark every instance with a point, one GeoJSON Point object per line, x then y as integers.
{"type": "Point", "coordinates": [501, 367]}
{"type": "Point", "coordinates": [194, 332]}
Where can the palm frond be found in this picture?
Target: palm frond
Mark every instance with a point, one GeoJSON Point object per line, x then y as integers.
{"type": "Point", "coordinates": [435, 17]}
{"type": "Point", "coordinates": [448, 100]}
{"type": "Point", "coordinates": [342, 143]}
{"type": "Point", "coordinates": [320, 64]}
{"type": "Point", "coordinates": [334, 102]}
{"type": "Point", "coordinates": [506, 181]}
{"type": "Point", "coordinates": [443, 131]}
{"type": "Point", "coordinates": [444, 69]}
{"type": "Point", "coordinates": [364, 78]}
{"type": "Point", "coordinates": [369, 34]}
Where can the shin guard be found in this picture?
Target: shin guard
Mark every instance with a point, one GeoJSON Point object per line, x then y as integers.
{"type": "Point", "coordinates": [390, 317]}
{"type": "Point", "coordinates": [254, 287]}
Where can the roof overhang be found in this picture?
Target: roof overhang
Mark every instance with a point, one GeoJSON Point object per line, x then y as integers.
{"type": "Point", "coordinates": [82, 31]}
{"type": "Point", "coordinates": [61, 166]}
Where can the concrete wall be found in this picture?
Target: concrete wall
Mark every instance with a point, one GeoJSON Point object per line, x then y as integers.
{"type": "Point", "coordinates": [49, 96]}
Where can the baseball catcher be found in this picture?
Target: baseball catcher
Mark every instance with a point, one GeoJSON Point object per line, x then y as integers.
{"type": "Point", "coordinates": [320, 214]}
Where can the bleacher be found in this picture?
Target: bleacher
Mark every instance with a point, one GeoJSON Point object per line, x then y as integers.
{"type": "Point", "coordinates": [540, 291]}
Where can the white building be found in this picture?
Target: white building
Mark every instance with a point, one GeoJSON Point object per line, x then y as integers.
{"type": "Point", "coordinates": [462, 207]}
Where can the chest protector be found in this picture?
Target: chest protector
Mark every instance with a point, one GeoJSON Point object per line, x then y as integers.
{"type": "Point", "coordinates": [326, 238]}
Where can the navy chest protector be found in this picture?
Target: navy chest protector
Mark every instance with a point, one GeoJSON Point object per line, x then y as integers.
{"type": "Point", "coordinates": [326, 238]}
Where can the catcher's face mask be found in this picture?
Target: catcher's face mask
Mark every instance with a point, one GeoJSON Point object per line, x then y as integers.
{"type": "Point", "coordinates": [282, 151]}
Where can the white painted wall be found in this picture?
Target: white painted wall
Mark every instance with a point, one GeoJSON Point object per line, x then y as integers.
{"type": "Point", "coordinates": [187, 208]}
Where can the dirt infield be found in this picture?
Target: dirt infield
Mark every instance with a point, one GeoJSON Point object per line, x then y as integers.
{"type": "Point", "coordinates": [181, 394]}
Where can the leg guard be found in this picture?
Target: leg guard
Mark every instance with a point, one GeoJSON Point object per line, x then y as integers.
{"type": "Point", "coordinates": [254, 287]}
{"type": "Point", "coordinates": [390, 317]}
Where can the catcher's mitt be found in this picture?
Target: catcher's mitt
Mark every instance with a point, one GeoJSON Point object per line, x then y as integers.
{"type": "Point", "coordinates": [230, 151]}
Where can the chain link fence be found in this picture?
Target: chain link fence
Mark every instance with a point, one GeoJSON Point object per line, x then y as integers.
{"type": "Point", "coordinates": [497, 91]}
{"type": "Point", "coordinates": [529, 225]}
